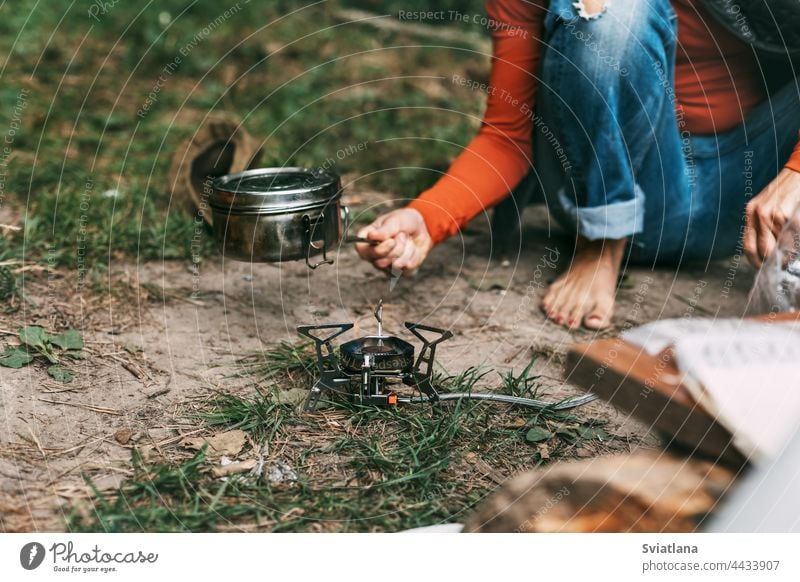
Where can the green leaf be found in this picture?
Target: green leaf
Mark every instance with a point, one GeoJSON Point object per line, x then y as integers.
{"type": "Point", "coordinates": [15, 358]}
{"type": "Point", "coordinates": [592, 432]}
{"type": "Point", "coordinates": [538, 434]}
{"type": "Point", "coordinates": [34, 336]}
{"type": "Point", "coordinates": [75, 354]}
{"type": "Point", "coordinates": [61, 374]}
{"type": "Point", "coordinates": [69, 340]}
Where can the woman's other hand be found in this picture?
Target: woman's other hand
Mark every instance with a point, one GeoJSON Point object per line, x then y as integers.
{"type": "Point", "coordinates": [768, 212]}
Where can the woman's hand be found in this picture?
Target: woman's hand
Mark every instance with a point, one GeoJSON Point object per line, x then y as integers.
{"type": "Point", "coordinates": [405, 241]}
{"type": "Point", "coordinates": [768, 212]}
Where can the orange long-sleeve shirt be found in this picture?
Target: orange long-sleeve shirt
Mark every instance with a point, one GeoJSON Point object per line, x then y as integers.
{"type": "Point", "coordinates": [717, 83]}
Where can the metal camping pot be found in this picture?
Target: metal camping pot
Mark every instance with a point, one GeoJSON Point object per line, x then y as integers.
{"type": "Point", "coordinates": [278, 214]}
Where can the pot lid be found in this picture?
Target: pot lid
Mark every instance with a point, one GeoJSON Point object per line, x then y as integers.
{"type": "Point", "coordinates": [275, 189]}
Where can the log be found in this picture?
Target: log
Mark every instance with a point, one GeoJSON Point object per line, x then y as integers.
{"type": "Point", "coordinates": [643, 492]}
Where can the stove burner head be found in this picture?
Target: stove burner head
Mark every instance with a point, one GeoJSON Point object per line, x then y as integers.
{"type": "Point", "coordinates": [376, 350]}
{"type": "Point", "coordinates": [386, 353]}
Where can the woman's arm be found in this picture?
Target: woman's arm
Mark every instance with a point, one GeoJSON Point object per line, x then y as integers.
{"type": "Point", "coordinates": [794, 159]}
{"type": "Point", "coordinates": [500, 155]}
{"type": "Point", "coordinates": [491, 165]}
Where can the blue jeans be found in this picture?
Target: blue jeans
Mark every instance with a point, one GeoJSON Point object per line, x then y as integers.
{"type": "Point", "coordinates": [612, 156]}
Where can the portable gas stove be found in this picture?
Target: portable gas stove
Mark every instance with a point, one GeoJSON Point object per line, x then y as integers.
{"type": "Point", "coordinates": [379, 364]}
{"type": "Point", "coordinates": [374, 363]}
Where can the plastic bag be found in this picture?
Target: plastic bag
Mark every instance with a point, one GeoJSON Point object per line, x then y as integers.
{"type": "Point", "coordinates": [777, 285]}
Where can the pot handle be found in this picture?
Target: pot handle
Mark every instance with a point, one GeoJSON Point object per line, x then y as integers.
{"type": "Point", "coordinates": [310, 244]}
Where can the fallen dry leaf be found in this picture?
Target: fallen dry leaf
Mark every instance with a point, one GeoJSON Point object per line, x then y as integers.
{"type": "Point", "coordinates": [228, 443]}
{"type": "Point", "coordinates": [514, 423]}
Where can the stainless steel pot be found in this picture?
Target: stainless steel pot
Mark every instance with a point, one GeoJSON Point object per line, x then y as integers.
{"type": "Point", "coordinates": [278, 214]}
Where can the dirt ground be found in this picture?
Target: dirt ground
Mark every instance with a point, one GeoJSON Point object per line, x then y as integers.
{"type": "Point", "coordinates": [161, 335]}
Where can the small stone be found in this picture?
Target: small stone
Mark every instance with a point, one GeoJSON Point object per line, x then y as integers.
{"type": "Point", "coordinates": [123, 436]}
{"type": "Point", "coordinates": [280, 472]}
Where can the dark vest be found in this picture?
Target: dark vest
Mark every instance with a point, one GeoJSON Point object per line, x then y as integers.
{"type": "Point", "coordinates": [771, 27]}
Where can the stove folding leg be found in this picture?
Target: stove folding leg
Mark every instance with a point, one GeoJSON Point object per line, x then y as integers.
{"type": "Point", "coordinates": [326, 359]}
{"type": "Point", "coordinates": [326, 383]}
{"type": "Point", "coordinates": [422, 379]}
{"type": "Point", "coordinates": [314, 395]}
{"type": "Point", "coordinates": [423, 383]}
{"type": "Point", "coordinates": [328, 365]}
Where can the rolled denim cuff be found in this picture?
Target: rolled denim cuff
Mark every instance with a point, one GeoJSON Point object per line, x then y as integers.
{"type": "Point", "coordinates": [611, 221]}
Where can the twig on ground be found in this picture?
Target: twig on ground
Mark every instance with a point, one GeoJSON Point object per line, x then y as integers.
{"type": "Point", "coordinates": [513, 356]}
{"type": "Point", "coordinates": [37, 443]}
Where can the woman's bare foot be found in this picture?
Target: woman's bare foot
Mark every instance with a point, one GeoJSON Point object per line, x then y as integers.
{"type": "Point", "coordinates": [585, 293]}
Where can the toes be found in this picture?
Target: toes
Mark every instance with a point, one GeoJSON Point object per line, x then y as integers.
{"type": "Point", "coordinates": [594, 321]}
{"type": "Point", "coordinates": [553, 300]}
{"type": "Point", "coordinates": [549, 297]}
{"type": "Point", "coordinates": [575, 316]}
{"type": "Point", "coordinates": [552, 309]}
{"type": "Point", "coordinates": [560, 306]}
{"type": "Point", "coordinates": [600, 316]}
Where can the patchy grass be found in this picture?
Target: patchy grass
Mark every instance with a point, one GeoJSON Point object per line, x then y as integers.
{"type": "Point", "coordinates": [260, 416]}
{"type": "Point", "coordinates": [166, 498]}
{"type": "Point", "coordinates": [359, 468]}
{"type": "Point", "coordinates": [523, 384]}
{"type": "Point", "coordinates": [295, 362]}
